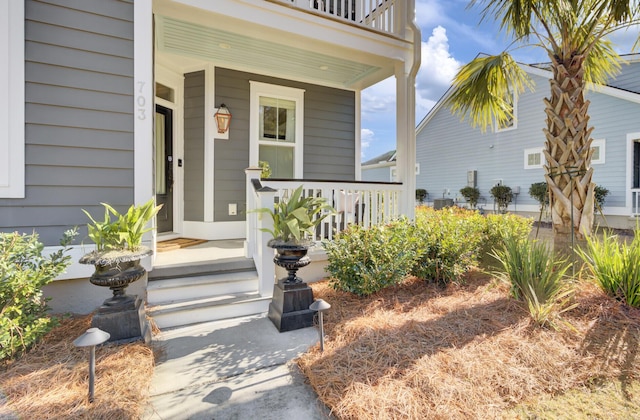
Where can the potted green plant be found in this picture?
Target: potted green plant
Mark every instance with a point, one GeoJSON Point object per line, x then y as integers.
{"type": "Point", "coordinates": [295, 220]}
{"type": "Point", "coordinates": [471, 194]}
{"type": "Point", "coordinates": [119, 248]}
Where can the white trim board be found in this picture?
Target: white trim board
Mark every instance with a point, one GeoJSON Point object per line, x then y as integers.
{"type": "Point", "coordinates": [12, 104]}
{"type": "Point", "coordinates": [215, 230]}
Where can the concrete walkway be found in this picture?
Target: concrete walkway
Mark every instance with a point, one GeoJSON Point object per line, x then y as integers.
{"type": "Point", "coordinates": [233, 369]}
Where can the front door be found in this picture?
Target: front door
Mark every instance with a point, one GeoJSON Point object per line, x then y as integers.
{"type": "Point", "coordinates": [164, 167]}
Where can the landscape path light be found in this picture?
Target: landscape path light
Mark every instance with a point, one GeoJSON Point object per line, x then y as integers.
{"type": "Point", "coordinates": [91, 339]}
{"type": "Point", "coordinates": [320, 306]}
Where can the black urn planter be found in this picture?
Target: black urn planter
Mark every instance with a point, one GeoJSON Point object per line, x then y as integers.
{"type": "Point", "coordinates": [121, 315]}
{"type": "Point", "coordinates": [289, 308]}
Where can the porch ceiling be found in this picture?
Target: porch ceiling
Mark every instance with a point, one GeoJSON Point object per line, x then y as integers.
{"type": "Point", "coordinates": [239, 51]}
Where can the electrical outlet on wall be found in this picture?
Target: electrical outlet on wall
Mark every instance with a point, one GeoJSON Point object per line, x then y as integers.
{"type": "Point", "coordinates": [233, 209]}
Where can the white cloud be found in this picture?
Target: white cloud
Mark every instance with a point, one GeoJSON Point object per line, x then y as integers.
{"type": "Point", "coordinates": [438, 66]}
{"type": "Point", "coordinates": [380, 98]}
{"type": "Point", "coordinates": [366, 137]}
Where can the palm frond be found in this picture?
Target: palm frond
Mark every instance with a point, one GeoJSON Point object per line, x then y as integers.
{"type": "Point", "coordinates": [483, 88]}
{"type": "Point", "coordinates": [602, 63]}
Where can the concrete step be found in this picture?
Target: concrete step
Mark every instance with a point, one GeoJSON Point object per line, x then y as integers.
{"type": "Point", "coordinates": [206, 285]}
{"type": "Point", "coordinates": [212, 308]}
{"type": "Point", "coordinates": [185, 294]}
{"type": "Point", "coordinates": [225, 265]}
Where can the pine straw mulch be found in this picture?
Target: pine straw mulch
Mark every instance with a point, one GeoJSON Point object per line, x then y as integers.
{"type": "Point", "coordinates": [51, 381]}
{"type": "Point", "coordinates": [418, 351]}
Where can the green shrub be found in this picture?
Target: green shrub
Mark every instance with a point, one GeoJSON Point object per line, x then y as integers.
{"type": "Point", "coordinates": [364, 261]}
{"type": "Point", "coordinates": [599, 195]}
{"type": "Point", "coordinates": [539, 192]}
{"type": "Point", "coordinates": [536, 277]}
{"type": "Point", "coordinates": [421, 195]}
{"type": "Point", "coordinates": [615, 266]}
{"type": "Point", "coordinates": [471, 194]}
{"type": "Point", "coordinates": [447, 243]}
{"type": "Point", "coordinates": [24, 271]}
{"type": "Point", "coordinates": [502, 195]}
{"type": "Point", "coordinates": [498, 227]}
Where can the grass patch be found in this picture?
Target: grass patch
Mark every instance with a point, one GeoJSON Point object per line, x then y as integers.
{"type": "Point", "coordinates": [603, 401]}
{"type": "Point", "coordinates": [51, 381]}
{"type": "Point", "coordinates": [416, 350]}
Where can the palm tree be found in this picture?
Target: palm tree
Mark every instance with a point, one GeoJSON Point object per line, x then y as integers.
{"type": "Point", "coordinates": [574, 35]}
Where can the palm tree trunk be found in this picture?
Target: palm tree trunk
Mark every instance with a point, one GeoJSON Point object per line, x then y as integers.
{"type": "Point", "coordinates": [568, 153]}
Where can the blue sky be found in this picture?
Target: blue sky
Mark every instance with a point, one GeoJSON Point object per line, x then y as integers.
{"type": "Point", "coordinates": [451, 36]}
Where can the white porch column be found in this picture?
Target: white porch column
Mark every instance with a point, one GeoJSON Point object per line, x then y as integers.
{"type": "Point", "coordinates": [405, 73]}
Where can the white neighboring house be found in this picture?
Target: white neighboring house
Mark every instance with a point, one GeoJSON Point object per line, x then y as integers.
{"type": "Point", "coordinates": [452, 154]}
{"type": "Point", "coordinates": [381, 168]}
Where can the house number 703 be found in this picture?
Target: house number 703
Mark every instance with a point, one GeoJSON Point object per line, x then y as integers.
{"type": "Point", "coordinates": [141, 101]}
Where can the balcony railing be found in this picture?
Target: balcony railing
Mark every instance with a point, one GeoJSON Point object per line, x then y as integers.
{"type": "Point", "coordinates": [380, 15]}
{"type": "Point", "coordinates": [362, 203]}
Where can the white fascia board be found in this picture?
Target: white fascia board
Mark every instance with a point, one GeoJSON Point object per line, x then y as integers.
{"type": "Point", "coordinates": [433, 111]}
{"type": "Point", "coordinates": [378, 165]}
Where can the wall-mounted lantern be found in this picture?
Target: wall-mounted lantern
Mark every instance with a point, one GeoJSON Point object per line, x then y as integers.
{"type": "Point", "coordinates": [223, 119]}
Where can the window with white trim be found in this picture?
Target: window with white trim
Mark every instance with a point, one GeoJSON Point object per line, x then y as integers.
{"type": "Point", "coordinates": [12, 101]}
{"type": "Point", "coordinates": [511, 124]}
{"type": "Point", "coordinates": [393, 172]}
{"type": "Point", "coordinates": [598, 147]}
{"type": "Point", "coordinates": [277, 128]}
{"type": "Point", "coordinates": [533, 158]}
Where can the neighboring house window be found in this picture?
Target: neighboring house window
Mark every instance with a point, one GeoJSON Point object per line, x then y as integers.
{"type": "Point", "coordinates": [598, 147]}
{"type": "Point", "coordinates": [277, 128]}
{"type": "Point", "coordinates": [511, 123]}
{"type": "Point", "coordinates": [533, 158]}
{"type": "Point", "coordinates": [12, 99]}
{"type": "Point", "coordinates": [394, 172]}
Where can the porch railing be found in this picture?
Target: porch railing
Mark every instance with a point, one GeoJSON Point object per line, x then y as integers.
{"type": "Point", "coordinates": [380, 15]}
{"type": "Point", "coordinates": [363, 203]}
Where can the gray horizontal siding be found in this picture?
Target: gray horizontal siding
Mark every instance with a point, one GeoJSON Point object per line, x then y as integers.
{"type": "Point", "coordinates": [448, 148]}
{"type": "Point", "coordinates": [194, 146]}
{"type": "Point", "coordinates": [78, 115]}
{"type": "Point", "coordinates": [329, 145]}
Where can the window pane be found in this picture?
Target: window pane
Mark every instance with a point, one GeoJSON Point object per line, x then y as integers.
{"type": "Point", "coordinates": [596, 153]}
{"type": "Point", "coordinates": [159, 155]}
{"type": "Point", "coordinates": [533, 159]}
{"type": "Point", "coordinates": [280, 160]}
{"type": "Point", "coordinates": [164, 92]}
{"type": "Point", "coordinates": [277, 119]}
